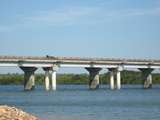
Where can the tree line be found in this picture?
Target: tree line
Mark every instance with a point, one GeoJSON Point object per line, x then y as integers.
{"type": "Point", "coordinates": [127, 77]}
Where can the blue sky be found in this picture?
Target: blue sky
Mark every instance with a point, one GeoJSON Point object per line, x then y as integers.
{"type": "Point", "coordinates": [85, 28]}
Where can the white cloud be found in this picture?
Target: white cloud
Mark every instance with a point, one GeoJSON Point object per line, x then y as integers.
{"type": "Point", "coordinates": [144, 12]}
{"type": "Point", "coordinates": [134, 12]}
{"type": "Point", "coordinates": [65, 16]}
{"type": "Point", "coordinates": [75, 15]}
{"type": "Point", "coordinates": [5, 28]}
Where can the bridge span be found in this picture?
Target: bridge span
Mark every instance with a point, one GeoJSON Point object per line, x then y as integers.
{"type": "Point", "coordinates": [51, 64]}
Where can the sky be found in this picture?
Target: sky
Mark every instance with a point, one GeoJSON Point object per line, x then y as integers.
{"type": "Point", "coordinates": [81, 28]}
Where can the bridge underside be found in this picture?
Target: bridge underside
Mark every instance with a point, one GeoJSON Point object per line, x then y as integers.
{"type": "Point", "coordinates": [50, 77]}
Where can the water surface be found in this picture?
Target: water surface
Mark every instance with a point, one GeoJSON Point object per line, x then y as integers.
{"type": "Point", "coordinates": [76, 102]}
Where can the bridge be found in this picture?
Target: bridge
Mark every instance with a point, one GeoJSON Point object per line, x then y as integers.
{"type": "Point", "coordinates": [51, 64]}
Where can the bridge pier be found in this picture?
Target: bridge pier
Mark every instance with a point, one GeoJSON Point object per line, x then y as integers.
{"type": "Point", "coordinates": [147, 77]}
{"type": "Point", "coordinates": [112, 85]}
{"type": "Point", "coordinates": [118, 74]}
{"type": "Point", "coordinates": [53, 80]}
{"type": "Point", "coordinates": [114, 71]}
{"type": "Point", "coordinates": [53, 70]}
{"type": "Point", "coordinates": [47, 78]}
{"type": "Point", "coordinates": [29, 78]}
{"type": "Point", "coordinates": [93, 77]}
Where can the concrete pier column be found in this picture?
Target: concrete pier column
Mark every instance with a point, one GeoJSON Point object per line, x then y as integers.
{"type": "Point", "coordinates": [118, 74]}
{"type": "Point", "coordinates": [112, 86]}
{"type": "Point", "coordinates": [54, 71]}
{"type": "Point", "coordinates": [29, 77]}
{"type": "Point", "coordinates": [147, 77]}
{"type": "Point", "coordinates": [53, 80]}
{"type": "Point", "coordinates": [47, 78]}
{"type": "Point", "coordinates": [93, 77]}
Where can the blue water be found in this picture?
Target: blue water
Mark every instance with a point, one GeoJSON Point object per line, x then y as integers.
{"type": "Point", "coordinates": [76, 102]}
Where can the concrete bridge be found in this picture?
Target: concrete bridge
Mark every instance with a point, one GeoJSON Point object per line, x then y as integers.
{"type": "Point", "coordinates": [51, 64]}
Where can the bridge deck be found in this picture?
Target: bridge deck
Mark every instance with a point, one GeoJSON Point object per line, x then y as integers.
{"type": "Point", "coordinates": [77, 60]}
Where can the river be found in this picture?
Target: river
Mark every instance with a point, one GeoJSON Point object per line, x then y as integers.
{"type": "Point", "coordinates": [76, 102]}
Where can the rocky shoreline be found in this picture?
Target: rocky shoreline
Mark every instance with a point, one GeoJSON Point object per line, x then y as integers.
{"type": "Point", "coordinates": [12, 113]}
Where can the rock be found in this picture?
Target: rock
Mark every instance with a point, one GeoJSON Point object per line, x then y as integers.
{"type": "Point", "coordinates": [12, 113]}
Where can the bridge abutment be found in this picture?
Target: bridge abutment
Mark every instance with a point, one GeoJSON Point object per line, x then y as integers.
{"type": "Point", "coordinates": [29, 78]}
{"type": "Point", "coordinates": [147, 77]}
{"type": "Point", "coordinates": [93, 77]}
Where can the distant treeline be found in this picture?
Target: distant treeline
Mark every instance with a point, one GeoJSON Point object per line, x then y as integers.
{"type": "Point", "coordinates": [127, 77]}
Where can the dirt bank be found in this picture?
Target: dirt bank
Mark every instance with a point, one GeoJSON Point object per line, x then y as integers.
{"type": "Point", "coordinates": [12, 113]}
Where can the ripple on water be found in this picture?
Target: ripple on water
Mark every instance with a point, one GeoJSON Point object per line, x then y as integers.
{"type": "Point", "coordinates": [76, 102]}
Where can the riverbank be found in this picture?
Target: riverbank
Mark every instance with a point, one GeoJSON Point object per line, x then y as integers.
{"type": "Point", "coordinates": [12, 113]}
{"type": "Point", "coordinates": [127, 77]}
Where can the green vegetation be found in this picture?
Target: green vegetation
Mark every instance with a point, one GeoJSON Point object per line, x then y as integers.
{"type": "Point", "coordinates": [128, 77]}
